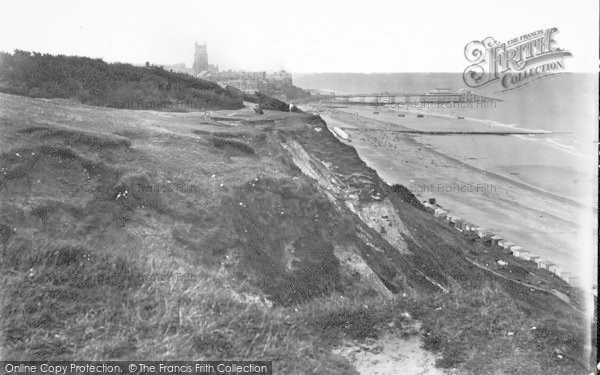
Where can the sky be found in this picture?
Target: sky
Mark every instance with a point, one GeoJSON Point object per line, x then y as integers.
{"type": "Point", "coordinates": [299, 36]}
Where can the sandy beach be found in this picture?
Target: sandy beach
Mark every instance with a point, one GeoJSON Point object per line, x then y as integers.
{"type": "Point", "coordinates": [543, 222]}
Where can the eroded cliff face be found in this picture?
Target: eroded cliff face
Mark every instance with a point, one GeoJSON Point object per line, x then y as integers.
{"type": "Point", "coordinates": [387, 241]}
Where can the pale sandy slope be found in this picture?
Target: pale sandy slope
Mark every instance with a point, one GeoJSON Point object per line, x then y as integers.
{"type": "Point", "coordinates": [390, 354]}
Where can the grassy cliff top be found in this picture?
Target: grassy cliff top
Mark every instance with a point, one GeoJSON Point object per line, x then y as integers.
{"type": "Point", "coordinates": [93, 81]}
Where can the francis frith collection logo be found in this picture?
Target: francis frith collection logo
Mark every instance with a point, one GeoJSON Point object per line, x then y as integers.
{"type": "Point", "coordinates": [515, 62]}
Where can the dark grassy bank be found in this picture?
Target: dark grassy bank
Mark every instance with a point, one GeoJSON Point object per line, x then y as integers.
{"type": "Point", "coordinates": [95, 82]}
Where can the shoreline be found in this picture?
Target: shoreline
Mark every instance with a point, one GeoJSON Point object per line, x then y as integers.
{"type": "Point", "coordinates": [496, 173]}
{"type": "Point", "coordinates": [508, 179]}
{"type": "Point", "coordinates": [543, 222]}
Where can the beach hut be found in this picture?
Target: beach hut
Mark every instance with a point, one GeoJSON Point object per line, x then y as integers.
{"type": "Point", "coordinates": [486, 239]}
{"type": "Point", "coordinates": [565, 275]}
{"type": "Point", "coordinates": [519, 252]}
{"type": "Point", "coordinates": [460, 225]}
{"type": "Point", "coordinates": [440, 213]}
{"type": "Point", "coordinates": [479, 230]}
{"type": "Point", "coordinates": [496, 240]}
{"type": "Point", "coordinates": [544, 264]}
{"type": "Point", "coordinates": [483, 233]}
{"type": "Point", "coordinates": [559, 271]}
{"type": "Point", "coordinates": [429, 207]}
{"type": "Point", "coordinates": [451, 219]}
{"type": "Point", "coordinates": [574, 281]}
{"type": "Point", "coordinates": [469, 226]}
{"type": "Point", "coordinates": [535, 258]}
{"type": "Point", "coordinates": [552, 268]}
{"type": "Point", "coordinates": [508, 250]}
{"type": "Point", "coordinates": [507, 245]}
{"type": "Point", "coordinates": [471, 237]}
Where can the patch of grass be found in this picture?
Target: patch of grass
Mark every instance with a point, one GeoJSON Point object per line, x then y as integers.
{"type": "Point", "coordinates": [20, 161]}
{"type": "Point", "coordinates": [356, 315]}
{"type": "Point", "coordinates": [68, 303]}
{"type": "Point", "coordinates": [141, 193]}
{"type": "Point", "coordinates": [49, 294]}
{"type": "Point", "coordinates": [78, 137]}
{"type": "Point", "coordinates": [481, 330]}
{"type": "Point", "coordinates": [236, 147]}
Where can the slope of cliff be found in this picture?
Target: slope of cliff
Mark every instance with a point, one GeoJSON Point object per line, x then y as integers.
{"type": "Point", "coordinates": [143, 234]}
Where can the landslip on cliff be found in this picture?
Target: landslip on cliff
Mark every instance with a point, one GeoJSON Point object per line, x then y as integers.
{"type": "Point", "coordinates": [142, 234]}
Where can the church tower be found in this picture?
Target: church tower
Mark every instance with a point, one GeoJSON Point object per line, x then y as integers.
{"type": "Point", "coordinates": [200, 58]}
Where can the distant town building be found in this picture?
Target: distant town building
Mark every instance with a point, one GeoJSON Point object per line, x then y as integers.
{"type": "Point", "coordinates": [280, 79]}
{"type": "Point", "coordinates": [200, 59]}
{"type": "Point", "coordinates": [278, 84]}
{"type": "Point", "coordinates": [178, 68]}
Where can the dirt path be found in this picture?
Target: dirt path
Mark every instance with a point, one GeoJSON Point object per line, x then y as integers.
{"type": "Point", "coordinates": [390, 354]}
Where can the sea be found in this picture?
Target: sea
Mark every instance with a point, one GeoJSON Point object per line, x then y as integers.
{"type": "Point", "coordinates": [562, 108]}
